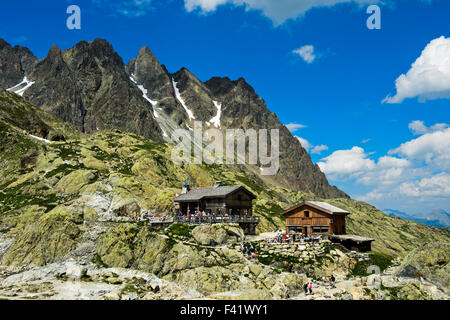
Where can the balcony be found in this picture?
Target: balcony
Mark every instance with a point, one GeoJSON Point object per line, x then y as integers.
{"type": "Point", "coordinates": [216, 219]}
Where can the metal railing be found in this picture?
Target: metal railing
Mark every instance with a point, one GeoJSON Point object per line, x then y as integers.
{"type": "Point", "coordinates": [160, 220]}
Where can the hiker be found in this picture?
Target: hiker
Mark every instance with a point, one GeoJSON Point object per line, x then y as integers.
{"type": "Point", "coordinates": [286, 292]}
{"type": "Point", "coordinates": [333, 280]}
{"type": "Point", "coordinates": [305, 288]}
{"type": "Point", "coordinates": [310, 288]}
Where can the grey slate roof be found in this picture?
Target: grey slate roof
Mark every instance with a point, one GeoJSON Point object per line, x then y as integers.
{"type": "Point", "coordinates": [324, 206]}
{"type": "Point", "coordinates": [215, 192]}
{"type": "Point", "coordinates": [328, 207]}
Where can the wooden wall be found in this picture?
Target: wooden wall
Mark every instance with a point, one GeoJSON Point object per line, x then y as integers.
{"type": "Point", "coordinates": [237, 203]}
{"type": "Point", "coordinates": [335, 223]}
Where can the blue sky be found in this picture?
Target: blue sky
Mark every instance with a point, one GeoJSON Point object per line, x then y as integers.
{"type": "Point", "coordinates": [392, 155]}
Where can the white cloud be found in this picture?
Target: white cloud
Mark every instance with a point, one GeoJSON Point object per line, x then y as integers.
{"type": "Point", "coordinates": [305, 143]}
{"type": "Point", "coordinates": [392, 162]}
{"type": "Point", "coordinates": [346, 162]}
{"type": "Point", "coordinates": [366, 140]}
{"type": "Point", "coordinates": [279, 11]}
{"type": "Point", "coordinates": [432, 148]}
{"type": "Point", "coordinates": [306, 53]}
{"type": "Point", "coordinates": [437, 185]}
{"type": "Point", "coordinates": [418, 127]}
{"type": "Point", "coordinates": [319, 149]}
{"type": "Point", "coordinates": [418, 170]}
{"type": "Point", "coordinates": [204, 5]}
{"type": "Point", "coordinates": [309, 147]}
{"type": "Point", "coordinates": [429, 76]}
{"type": "Point", "coordinates": [128, 8]}
{"type": "Point", "coordinates": [293, 127]}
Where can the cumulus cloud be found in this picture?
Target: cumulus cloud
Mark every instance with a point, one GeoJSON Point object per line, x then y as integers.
{"type": "Point", "coordinates": [418, 127]}
{"type": "Point", "coordinates": [432, 148]}
{"type": "Point", "coordinates": [279, 11]}
{"type": "Point", "coordinates": [429, 76]}
{"type": "Point", "coordinates": [306, 53]}
{"type": "Point", "coordinates": [417, 170]}
{"type": "Point", "coordinates": [305, 143]}
{"type": "Point", "coordinates": [346, 162]}
{"type": "Point", "coordinates": [438, 185]}
{"type": "Point", "coordinates": [319, 149]}
{"type": "Point", "coordinates": [393, 162]}
{"type": "Point", "coordinates": [310, 147]}
{"type": "Point", "coordinates": [293, 127]}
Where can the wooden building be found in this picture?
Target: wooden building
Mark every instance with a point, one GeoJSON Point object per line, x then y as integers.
{"type": "Point", "coordinates": [321, 218]}
{"type": "Point", "coordinates": [219, 200]}
{"type": "Point", "coordinates": [314, 217]}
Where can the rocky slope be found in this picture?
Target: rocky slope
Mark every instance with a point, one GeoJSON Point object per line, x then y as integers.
{"type": "Point", "coordinates": [90, 87]}
{"type": "Point", "coordinates": [87, 86]}
{"type": "Point", "coordinates": [15, 63]}
{"type": "Point", "coordinates": [65, 204]}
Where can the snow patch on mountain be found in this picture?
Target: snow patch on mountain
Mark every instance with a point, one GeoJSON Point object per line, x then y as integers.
{"type": "Point", "coordinates": [180, 99]}
{"type": "Point", "coordinates": [216, 120]}
{"type": "Point", "coordinates": [21, 87]}
{"type": "Point", "coordinates": [40, 139]}
{"type": "Point", "coordinates": [144, 93]}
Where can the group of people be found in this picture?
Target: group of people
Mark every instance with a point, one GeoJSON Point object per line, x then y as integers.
{"type": "Point", "coordinates": [307, 287]}
{"type": "Point", "coordinates": [147, 215]}
{"type": "Point", "coordinates": [249, 250]}
{"type": "Point", "coordinates": [284, 238]}
{"type": "Point", "coordinates": [197, 213]}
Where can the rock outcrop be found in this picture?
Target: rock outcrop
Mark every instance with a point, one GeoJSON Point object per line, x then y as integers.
{"type": "Point", "coordinates": [90, 87]}
{"type": "Point", "coordinates": [219, 233]}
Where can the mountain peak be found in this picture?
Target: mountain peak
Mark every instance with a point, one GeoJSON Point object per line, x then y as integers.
{"type": "Point", "coordinates": [101, 42]}
{"type": "Point", "coordinates": [3, 44]}
{"type": "Point", "coordinates": [145, 51]}
{"type": "Point", "coordinates": [54, 51]}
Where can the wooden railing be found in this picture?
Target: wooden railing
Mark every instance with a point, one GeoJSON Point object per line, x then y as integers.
{"type": "Point", "coordinates": [216, 219]}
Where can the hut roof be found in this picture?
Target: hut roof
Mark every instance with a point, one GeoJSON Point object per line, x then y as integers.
{"type": "Point", "coordinates": [214, 192]}
{"type": "Point", "coordinates": [324, 206]}
{"type": "Point", "coordinates": [351, 237]}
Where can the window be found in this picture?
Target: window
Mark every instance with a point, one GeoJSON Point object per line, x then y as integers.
{"type": "Point", "coordinates": [306, 214]}
{"type": "Point", "coordinates": [320, 229]}
{"type": "Point", "coordinates": [295, 229]}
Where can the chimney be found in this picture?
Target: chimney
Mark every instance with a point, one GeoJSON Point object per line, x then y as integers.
{"type": "Point", "coordinates": [218, 184]}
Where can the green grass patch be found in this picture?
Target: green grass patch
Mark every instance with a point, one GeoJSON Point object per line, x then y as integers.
{"type": "Point", "coordinates": [383, 261]}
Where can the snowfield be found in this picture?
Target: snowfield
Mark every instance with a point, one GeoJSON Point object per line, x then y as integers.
{"type": "Point", "coordinates": [177, 93]}
{"type": "Point", "coordinates": [21, 87]}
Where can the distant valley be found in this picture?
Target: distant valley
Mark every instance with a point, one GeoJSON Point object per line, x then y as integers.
{"type": "Point", "coordinates": [436, 218]}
